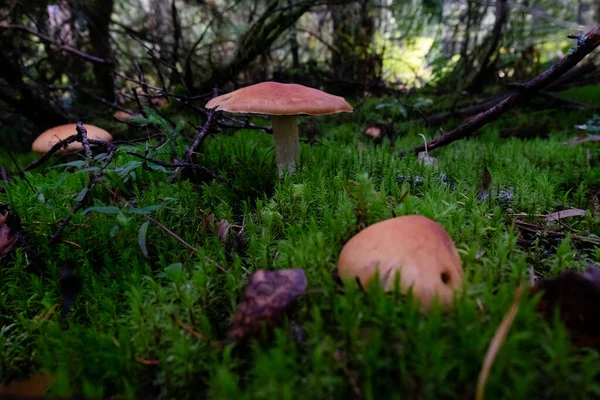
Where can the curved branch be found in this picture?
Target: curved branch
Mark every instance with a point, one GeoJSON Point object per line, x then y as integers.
{"type": "Point", "coordinates": [586, 43]}
{"type": "Point", "coordinates": [63, 47]}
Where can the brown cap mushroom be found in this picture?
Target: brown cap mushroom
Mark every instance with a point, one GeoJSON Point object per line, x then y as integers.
{"type": "Point", "coordinates": [49, 138]}
{"type": "Point", "coordinates": [283, 102]}
{"type": "Point", "coordinates": [417, 247]}
{"type": "Point", "coordinates": [123, 115]}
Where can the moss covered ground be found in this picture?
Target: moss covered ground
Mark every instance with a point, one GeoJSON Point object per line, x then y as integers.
{"type": "Point", "coordinates": [119, 339]}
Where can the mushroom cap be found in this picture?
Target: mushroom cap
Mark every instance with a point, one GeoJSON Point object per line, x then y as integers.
{"type": "Point", "coordinates": [417, 247]}
{"type": "Point", "coordinates": [122, 115]}
{"type": "Point", "coordinates": [49, 138]}
{"type": "Point", "coordinates": [273, 98]}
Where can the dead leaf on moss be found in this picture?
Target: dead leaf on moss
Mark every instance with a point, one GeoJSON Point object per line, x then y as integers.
{"type": "Point", "coordinates": [557, 216]}
{"type": "Point", "coordinates": [9, 231]}
{"type": "Point", "coordinates": [576, 295]}
{"type": "Point", "coordinates": [223, 230]}
{"type": "Point", "coordinates": [267, 295]}
{"type": "Point", "coordinates": [485, 183]}
{"type": "Point", "coordinates": [208, 221]}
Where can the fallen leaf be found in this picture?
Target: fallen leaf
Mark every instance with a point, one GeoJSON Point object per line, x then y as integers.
{"type": "Point", "coordinates": [556, 216]}
{"type": "Point", "coordinates": [10, 227]}
{"type": "Point", "coordinates": [207, 221]}
{"type": "Point", "coordinates": [373, 132]}
{"type": "Point", "coordinates": [142, 234]}
{"type": "Point", "coordinates": [486, 179]}
{"type": "Point", "coordinates": [33, 388]}
{"type": "Point", "coordinates": [576, 295]}
{"type": "Point", "coordinates": [223, 230]}
{"type": "Point", "coordinates": [485, 183]}
{"type": "Point", "coordinates": [267, 295]}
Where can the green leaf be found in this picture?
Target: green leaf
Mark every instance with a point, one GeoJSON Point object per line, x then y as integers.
{"type": "Point", "coordinates": [102, 210]}
{"type": "Point", "coordinates": [146, 210]}
{"type": "Point", "coordinates": [142, 238]}
{"type": "Point", "coordinates": [157, 167]}
{"type": "Point", "coordinates": [82, 194]}
{"type": "Point", "coordinates": [78, 163]}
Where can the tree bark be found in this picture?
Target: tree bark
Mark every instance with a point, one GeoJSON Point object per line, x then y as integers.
{"type": "Point", "coordinates": [490, 48]}
{"type": "Point", "coordinates": [23, 98]}
{"type": "Point", "coordinates": [98, 13]}
{"type": "Point", "coordinates": [257, 40]}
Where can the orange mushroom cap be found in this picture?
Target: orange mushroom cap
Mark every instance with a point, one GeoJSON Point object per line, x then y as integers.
{"type": "Point", "coordinates": [49, 138]}
{"type": "Point", "coordinates": [417, 247]}
{"type": "Point", "coordinates": [273, 98]}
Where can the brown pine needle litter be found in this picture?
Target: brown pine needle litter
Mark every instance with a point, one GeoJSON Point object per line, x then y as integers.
{"type": "Point", "coordinates": [497, 341]}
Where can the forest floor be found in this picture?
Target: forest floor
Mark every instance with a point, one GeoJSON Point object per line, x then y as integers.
{"type": "Point", "coordinates": [105, 319]}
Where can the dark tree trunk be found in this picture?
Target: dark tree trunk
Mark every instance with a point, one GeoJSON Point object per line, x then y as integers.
{"type": "Point", "coordinates": [23, 98]}
{"type": "Point", "coordinates": [294, 45]}
{"type": "Point", "coordinates": [257, 40]}
{"type": "Point", "coordinates": [352, 60]}
{"type": "Point", "coordinates": [98, 13]}
{"type": "Point", "coordinates": [489, 49]}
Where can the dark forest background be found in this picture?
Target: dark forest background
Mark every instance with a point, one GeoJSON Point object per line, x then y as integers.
{"type": "Point", "coordinates": [67, 60]}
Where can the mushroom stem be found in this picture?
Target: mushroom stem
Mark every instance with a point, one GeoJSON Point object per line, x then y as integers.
{"type": "Point", "coordinates": [287, 143]}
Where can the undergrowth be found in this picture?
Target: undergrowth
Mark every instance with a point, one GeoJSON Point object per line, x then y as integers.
{"type": "Point", "coordinates": [119, 338]}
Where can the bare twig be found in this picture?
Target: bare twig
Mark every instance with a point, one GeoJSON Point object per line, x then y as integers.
{"type": "Point", "coordinates": [202, 133]}
{"type": "Point", "coordinates": [186, 244]}
{"type": "Point", "coordinates": [180, 165]}
{"type": "Point", "coordinates": [188, 329]}
{"type": "Point", "coordinates": [585, 45]}
{"type": "Point", "coordinates": [93, 179]}
{"type": "Point", "coordinates": [21, 172]}
{"type": "Point", "coordinates": [49, 40]}
{"type": "Point", "coordinates": [82, 136]}
{"type": "Point", "coordinates": [46, 156]}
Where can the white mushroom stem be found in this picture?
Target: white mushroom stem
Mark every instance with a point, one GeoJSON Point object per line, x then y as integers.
{"type": "Point", "coordinates": [287, 143]}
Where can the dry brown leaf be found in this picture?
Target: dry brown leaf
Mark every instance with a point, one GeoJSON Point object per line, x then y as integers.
{"type": "Point", "coordinates": [267, 295]}
{"type": "Point", "coordinates": [486, 179]}
{"type": "Point", "coordinates": [208, 221]}
{"type": "Point", "coordinates": [556, 216]}
{"type": "Point", "coordinates": [223, 230]}
{"type": "Point", "coordinates": [576, 295]}
{"type": "Point", "coordinates": [9, 232]}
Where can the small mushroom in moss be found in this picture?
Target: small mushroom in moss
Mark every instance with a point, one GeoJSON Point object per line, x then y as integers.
{"type": "Point", "coordinates": [49, 138]}
{"type": "Point", "coordinates": [416, 247]}
{"type": "Point", "coordinates": [283, 102]}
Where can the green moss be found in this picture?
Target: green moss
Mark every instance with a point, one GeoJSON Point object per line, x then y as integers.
{"type": "Point", "coordinates": [121, 318]}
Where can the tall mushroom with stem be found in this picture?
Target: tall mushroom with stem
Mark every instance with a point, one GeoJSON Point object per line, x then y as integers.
{"type": "Point", "coordinates": [283, 102]}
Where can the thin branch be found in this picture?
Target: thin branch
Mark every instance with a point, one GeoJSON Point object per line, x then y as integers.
{"type": "Point", "coordinates": [180, 165]}
{"type": "Point", "coordinates": [21, 172]}
{"type": "Point", "coordinates": [49, 40]}
{"type": "Point", "coordinates": [186, 244]}
{"type": "Point", "coordinates": [585, 45]}
{"type": "Point", "coordinates": [202, 133]}
{"type": "Point", "coordinates": [93, 179]}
